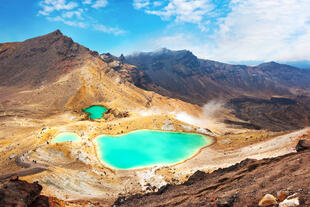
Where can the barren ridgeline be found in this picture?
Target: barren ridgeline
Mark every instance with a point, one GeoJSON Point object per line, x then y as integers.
{"type": "Point", "coordinates": [48, 82]}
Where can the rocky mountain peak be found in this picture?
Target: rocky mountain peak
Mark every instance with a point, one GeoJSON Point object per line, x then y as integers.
{"type": "Point", "coordinates": [51, 52]}
{"type": "Point", "coordinates": [274, 65]}
{"type": "Point", "coordinates": [56, 33]}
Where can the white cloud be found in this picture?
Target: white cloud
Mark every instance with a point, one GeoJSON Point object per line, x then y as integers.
{"type": "Point", "coordinates": [157, 3]}
{"type": "Point", "coordinates": [100, 4]}
{"type": "Point", "coordinates": [70, 14]}
{"type": "Point", "coordinates": [138, 4]}
{"type": "Point", "coordinates": [190, 11]}
{"type": "Point", "coordinates": [109, 30]}
{"type": "Point", "coordinates": [184, 10]}
{"type": "Point", "coordinates": [87, 1]}
{"type": "Point", "coordinates": [49, 6]}
{"type": "Point", "coordinates": [68, 22]}
{"type": "Point", "coordinates": [251, 31]}
{"type": "Point", "coordinates": [264, 30]}
{"type": "Point", "coordinates": [73, 14]}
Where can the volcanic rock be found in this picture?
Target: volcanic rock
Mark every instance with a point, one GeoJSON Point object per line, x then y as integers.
{"type": "Point", "coordinates": [303, 145]}
{"type": "Point", "coordinates": [186, 77]}
{"type": "Point", "coordinates": [15, 192]}
{"type": "Point", "coordinates": [243, 184]}
{"type": "Point", "coordinates": [293, 202]}
{"type": "Point", "coordinates": [268, 200]}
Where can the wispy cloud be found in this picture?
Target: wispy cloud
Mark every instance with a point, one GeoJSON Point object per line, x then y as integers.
{"type": "Point", "coordinates": [110, 30]}
{"type": "Point", "coordinates": [68, 22]}
{"type": "Point", "coordinates": [249, 30]}
{"type": "Point", "coordinates": [76, 13]}
{"type": "Point", "coordinates": [100, 4]}
{"type": "Point", "coordinates": [70, 14]}
{"type": "Point", "coordinates": [199, 12]}
{"type": "Point", "coordinates": [264, 30]}
{"type": "Point", "coordinates": [138, 4]}
{"type": "Point", "coordinates": [87, 2]}
{"type": "Point", "coordinates": [48, 6]}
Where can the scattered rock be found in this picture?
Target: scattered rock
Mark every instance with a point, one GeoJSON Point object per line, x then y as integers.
{"type": "Point", "coordinates": [281, 195]}
{"type": "Point", "coordinates": [302, 145]}
{"type": "Point", "coordinates": [12, 156]}
{"type": "Point", "coordinates": [187, 128]}
{"type": "Point", "coordinates": [201, 130]}
{"type": "Point", "coordinates": [225, 141]}
{"type": "Point", "coordinates": [289, 202]}
{"type": "Point", "coordinates": [198, 175]}
{"type": "Point", "coordinates": [226, 201]}
{"type": "Point", "coordinates": [268, 200]}
{"type": "Point", "coordinates": [168, 126]}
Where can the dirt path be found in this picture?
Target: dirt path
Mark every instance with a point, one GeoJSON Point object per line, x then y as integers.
{"type": "Point", "coordinates": [31, 167]}
{"type": "Point", "coordinates": [20, 173]}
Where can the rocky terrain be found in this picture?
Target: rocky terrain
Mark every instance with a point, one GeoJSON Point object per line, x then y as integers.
{"type": "Point", "coordinates": [275, 114]}
{"type": "Point", "coordinates": [15, 192]}
{"type": "Point", "coordinates": [198, 81]}
{"type": "Point", "coordinates": [248, 183]}
{"type": "Point", "coordinates": [286, 178]}
{"type": "Point", "coordinates": [246, 89]}
{"type": "Point", "coordinates": [59, 74]}
{"type": "Point", "coordinates": [46, 81]}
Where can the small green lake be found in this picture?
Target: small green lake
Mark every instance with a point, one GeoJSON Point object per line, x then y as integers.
{"type": "Point", "coordinates": [95, 112]}
{"type": "Point", "coordinates": [144, 148]}
{"type": "Point", "coordinates": [66, 137]}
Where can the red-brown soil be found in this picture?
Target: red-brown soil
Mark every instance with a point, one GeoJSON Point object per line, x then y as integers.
{"type": "Point", "coordinates": [240, 185]}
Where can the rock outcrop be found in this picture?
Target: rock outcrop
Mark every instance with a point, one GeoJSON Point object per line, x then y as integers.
{"type": "Point", "coordinates": [243, 184]}
{"type": "Point", "coordinates": [18, 193]}
{"type": "Point", "coordinates": [303, 145]}
{"type": "Point", "coordinates": [268, 200]}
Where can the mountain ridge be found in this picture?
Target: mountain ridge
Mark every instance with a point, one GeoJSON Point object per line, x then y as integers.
{"type": "Point", "coordinates": [173, 70]}
{"type": "Point", "coordinates": [60, 74]}
{"type": "Point", "coordinates": [46, 82]}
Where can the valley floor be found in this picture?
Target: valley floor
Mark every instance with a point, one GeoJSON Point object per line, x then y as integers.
{"type": "Point", "coordinates": [73, 172]}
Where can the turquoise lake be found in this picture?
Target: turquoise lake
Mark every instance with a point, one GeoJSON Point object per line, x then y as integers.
{"type": "Point", "coordinates": [66, 137]}
{"type": "Point", "coordinates": [95, 112]}
{"type": "Point", "coordinates": [147, 147]}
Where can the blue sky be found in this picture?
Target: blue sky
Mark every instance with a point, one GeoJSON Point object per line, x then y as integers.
{"type": "Point", "coordinates": [246, 31]}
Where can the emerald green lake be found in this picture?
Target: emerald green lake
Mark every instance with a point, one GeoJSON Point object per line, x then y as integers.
{"type": "Point", "coordinates": [147, 147]}
{"type": "Point", "coordinates": [66, 137]}
{"type": "Point", "coordinates": [95, 112]}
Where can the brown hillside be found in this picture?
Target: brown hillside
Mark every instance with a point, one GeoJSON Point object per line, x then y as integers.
{"type": "Point", "coordinates": [54, 73]}
{"type": "Point", "coordinates": [240, 185]}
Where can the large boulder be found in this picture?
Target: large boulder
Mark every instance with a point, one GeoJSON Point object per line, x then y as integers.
{"type": "Point", "coordinates": [303, 145]}
{"type": "Point", "coordinates": [267, 200]}
{"type": "Point", "coordinates": [18, 193]}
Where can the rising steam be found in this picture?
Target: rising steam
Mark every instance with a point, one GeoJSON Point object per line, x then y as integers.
{"type": "Point", "coordinates": [209, 117]}
{"type": "Point", "coordinates": [211, 111]}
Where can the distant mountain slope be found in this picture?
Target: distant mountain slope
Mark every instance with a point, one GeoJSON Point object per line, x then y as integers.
{"type": "Point", "coordinates": [53, 73]}
{"type": "Point", "coordinates": [276, 114]}
{"type": "Point", "coordinates": [197, 81]}
{"type": "Point", "coordinates": [40, 59]}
